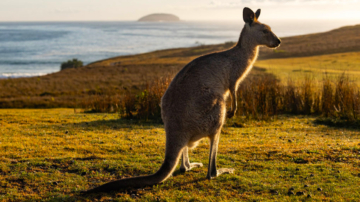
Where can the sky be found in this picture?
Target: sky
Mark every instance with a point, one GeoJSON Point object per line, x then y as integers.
{"type": "Point", "coordinates": [199, 10]}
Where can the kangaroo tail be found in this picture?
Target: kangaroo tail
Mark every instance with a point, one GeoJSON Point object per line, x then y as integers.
{"type": "Point", "coordinates": [171, 159]}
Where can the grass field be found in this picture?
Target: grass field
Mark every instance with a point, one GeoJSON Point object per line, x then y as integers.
{"type": "Point", "coordinates": [53, 154]}
{"type": "Point", "coordinates": [314, 66]}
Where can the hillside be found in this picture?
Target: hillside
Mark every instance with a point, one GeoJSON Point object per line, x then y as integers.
{"type": "Point", "coordinates": [315, 67]}
{"type": "Point", "coordinates": [344, 39]}
{"type": "Point", "coordinates": [71, 87]}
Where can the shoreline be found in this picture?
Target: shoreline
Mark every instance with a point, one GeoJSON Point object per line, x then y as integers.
{"type": "Point", "coordinates": [22, 75]}
{"type": "Point", "coordinates": [131, 53]}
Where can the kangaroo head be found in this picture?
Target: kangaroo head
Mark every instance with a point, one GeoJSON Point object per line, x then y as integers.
{"type": "Point", "coordinates": [258, 32]}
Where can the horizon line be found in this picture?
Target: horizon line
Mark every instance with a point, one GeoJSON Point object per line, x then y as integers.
{"type": "Point", "coordinates": [224, 20]}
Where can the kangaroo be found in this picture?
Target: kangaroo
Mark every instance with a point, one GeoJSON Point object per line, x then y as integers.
{"type": "Point", "coordinates": [194, 105]}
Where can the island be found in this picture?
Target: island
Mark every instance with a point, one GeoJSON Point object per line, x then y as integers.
{"type": "Point", "coordinates": [159, 17]}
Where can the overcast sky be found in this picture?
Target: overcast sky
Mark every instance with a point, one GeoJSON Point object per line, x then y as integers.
{"type": "Point", "coordinates": [115, 10]}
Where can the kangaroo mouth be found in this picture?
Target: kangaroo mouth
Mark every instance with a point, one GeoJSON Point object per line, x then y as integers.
{"type": "Point", "coordinates": [274, 46]}
{"type": "Point", "coordinates": [276, 43]}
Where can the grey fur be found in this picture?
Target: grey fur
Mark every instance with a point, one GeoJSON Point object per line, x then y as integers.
{"type": "Point", "coordinates": [194, 107]}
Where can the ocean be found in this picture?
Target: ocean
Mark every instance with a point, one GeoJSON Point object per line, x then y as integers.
{"type": "Point", "coordinates": [39, 48]}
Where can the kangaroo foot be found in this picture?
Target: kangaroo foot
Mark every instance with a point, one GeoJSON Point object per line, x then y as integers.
{"type": "Point", "coordinates": [219, 172]}
{"type": "Point", "coordinates": [192, 165]}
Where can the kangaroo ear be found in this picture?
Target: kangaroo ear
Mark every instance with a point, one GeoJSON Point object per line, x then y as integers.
{"type": "Point", "coordinates": [257, 13]}
{"type": "Point", "coordinates": [248, 15]}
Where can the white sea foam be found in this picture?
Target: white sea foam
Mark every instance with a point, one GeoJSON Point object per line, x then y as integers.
{"type": "Point", "coordinates": [17, 75]}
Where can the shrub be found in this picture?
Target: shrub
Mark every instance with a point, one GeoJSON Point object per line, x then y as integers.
{"type": "Point", "coordinates": [146, 104]}
{"type": "Point", "coordinates": [74, 63]}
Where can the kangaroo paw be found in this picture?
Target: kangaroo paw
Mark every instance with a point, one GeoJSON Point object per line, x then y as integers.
{"type": "Point", "coordinates": [192, 165]}
{"type": "Point", "coordinates": [225, 170]}
{"type": "Point", "coordinates": [219, 172]}
{"type": "Point", "coordinates": [196, 165]}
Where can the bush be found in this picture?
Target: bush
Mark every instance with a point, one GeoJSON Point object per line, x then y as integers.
{"type": "Point", "coordinates": [146, 104]}
{"type": "Point", "coordinates": [74, 63]}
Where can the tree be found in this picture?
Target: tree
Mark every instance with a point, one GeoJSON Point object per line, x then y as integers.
{"type": "Point", "coordinates": [74, 63]}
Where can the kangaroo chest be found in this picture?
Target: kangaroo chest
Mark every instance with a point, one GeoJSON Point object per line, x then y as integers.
{"type": "Point", "coordinates": [245, 66]}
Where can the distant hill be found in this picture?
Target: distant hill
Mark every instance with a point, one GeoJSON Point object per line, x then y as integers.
{"type": "Point", "coordinates": [344, 39]}
{"type": "Point", "coordinates": [158, 17]}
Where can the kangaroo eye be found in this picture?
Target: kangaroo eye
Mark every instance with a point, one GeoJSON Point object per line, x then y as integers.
{"type": "Point", "coordinates": [265, 31]}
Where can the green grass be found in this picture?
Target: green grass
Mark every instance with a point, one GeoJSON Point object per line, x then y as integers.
{"type": "Point", "coordinates": [315, 66]}
{"type": "Point", "coordinates": [53, 154]}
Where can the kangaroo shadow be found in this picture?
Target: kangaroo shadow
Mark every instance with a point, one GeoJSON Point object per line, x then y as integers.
{"type": "Point", "coordinates": [120, 123]}
{"type": "Point", "coordinates": [101, 125]}
{"type": "Point", "coordinates": [136, 192]}
{"type": "Point", "coordinates": [339, 123]}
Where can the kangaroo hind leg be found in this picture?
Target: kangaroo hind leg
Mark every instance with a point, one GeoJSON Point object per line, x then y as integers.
{"type": "Point", "coordinates": [212, 171]}
{"type": "Point", "coordinates": [185, 162]}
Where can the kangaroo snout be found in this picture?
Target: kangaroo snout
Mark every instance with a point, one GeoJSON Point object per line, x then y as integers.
{"type": "Point", "coordinates": [276, 43]}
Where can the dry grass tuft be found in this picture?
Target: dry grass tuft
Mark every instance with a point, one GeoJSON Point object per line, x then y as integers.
{"type": "Point", "coordinates": [260, 96]}
{"type": "Point", "coordinates": [265, 97]}
{"type": "Point", "coordinates": [146, 104]}
{"type": "Point", "coordinates": [346, 98]}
